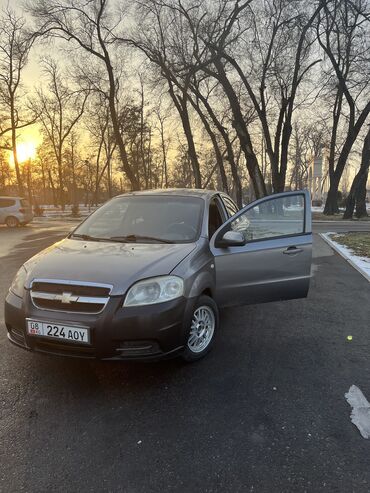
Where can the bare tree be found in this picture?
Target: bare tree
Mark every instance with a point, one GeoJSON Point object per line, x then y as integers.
{"type": "Point", "coordinates": [229, 155]}
{"type": "Point", "coordinates": [277, 45]}
{"type": "Point", "coordinates": [5, 172]}
{"type": "Point", "coordinates": [15, 45]}
{"type": "Point", "coordinates": [97, 123]}
{"type": "Point", "coordinates": [308, 139]}
{"type": "Point", "coordinates": [90, 25]}
{"type": "Point", "coordinates": [210, 30]}
{"type": "Point", "coordinates": [343, 34]}
{"type": "Point", "coordinates": [60, 108]}
{"type": "Point", "coordinates": [162, 116]}
{"type": "Point", "coordinates": [156, 42]}
{"type": "Point", "coordinates": [357, 194]}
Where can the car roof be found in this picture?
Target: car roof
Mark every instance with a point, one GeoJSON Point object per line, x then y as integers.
{"type": "Point", "coordinates": [179, 192]}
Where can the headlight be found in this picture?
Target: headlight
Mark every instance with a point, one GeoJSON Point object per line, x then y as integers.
{"type": "Point", "coordinates": [154, 290]}
{"type": "Point", "coordinates": [17, 286]}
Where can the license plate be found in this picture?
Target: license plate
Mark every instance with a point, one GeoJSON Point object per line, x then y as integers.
{"type": "Point", "coordinates": [58, 331]}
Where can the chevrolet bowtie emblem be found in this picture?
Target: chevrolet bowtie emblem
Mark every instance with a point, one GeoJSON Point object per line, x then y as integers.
{"type": "Point", "coordinates": [66, 298]}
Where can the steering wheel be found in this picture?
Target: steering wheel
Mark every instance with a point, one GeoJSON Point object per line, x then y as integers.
{"type": "Point", "coordinates": [182, 229]}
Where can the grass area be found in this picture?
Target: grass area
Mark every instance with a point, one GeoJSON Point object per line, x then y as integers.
{"type": "Point", "coordinates": [359, 243]}
{"type": "Point", "coordinates": [319, 216]}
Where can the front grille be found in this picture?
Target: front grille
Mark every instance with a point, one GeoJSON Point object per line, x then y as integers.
{"type": "Point", "coordinates": [78, 289]}
{"type": "Point", "coordinates": [68, 296]}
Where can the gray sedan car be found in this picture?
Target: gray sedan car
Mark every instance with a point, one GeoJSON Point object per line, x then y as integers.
{"type": "Point", "coordinates": [144, 276]}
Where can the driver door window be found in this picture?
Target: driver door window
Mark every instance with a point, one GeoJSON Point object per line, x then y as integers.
{"type": "Point", "coordinates": [280, 217]}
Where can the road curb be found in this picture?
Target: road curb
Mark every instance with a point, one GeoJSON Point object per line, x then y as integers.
{"type": "Point", "coordinates": [339, 222]}
{"type": "Point", "coordinates": [333, 245]}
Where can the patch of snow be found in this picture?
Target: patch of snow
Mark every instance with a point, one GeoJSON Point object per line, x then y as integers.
{"type": "Point", "coordinates": [50, 211]}
{"type": "Point", "coordinates": [360, 415]}
{"type": "Point", "coordinates": [362, 264]}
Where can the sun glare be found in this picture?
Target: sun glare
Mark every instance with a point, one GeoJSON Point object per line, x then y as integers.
{"type": "Point", "coordinates": [25, 151]}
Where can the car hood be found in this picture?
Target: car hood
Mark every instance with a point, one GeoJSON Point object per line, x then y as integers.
{"type": "Point", "coordinates": [118, 264]}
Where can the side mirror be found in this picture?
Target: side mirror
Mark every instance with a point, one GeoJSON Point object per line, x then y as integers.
{"type": "Point", "coordinates": [230, 238]}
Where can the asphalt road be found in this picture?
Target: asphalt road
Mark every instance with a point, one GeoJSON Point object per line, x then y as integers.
{"type": "Point", "coordinates": [264, 412]}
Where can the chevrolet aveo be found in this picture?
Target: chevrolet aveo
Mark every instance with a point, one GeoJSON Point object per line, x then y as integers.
{"type": "Point", "coordinates": [144, 276]}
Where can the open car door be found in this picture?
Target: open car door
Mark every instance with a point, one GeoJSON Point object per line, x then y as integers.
{"type": "Point", "coordinates": [263, 253]}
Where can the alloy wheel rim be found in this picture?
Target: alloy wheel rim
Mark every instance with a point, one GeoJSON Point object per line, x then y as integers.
{"type": "Point", "coordinates": [202, 329]}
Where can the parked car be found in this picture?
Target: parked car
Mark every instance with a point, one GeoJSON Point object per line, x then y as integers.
{"type": "Point", "coordinates": [144, 276]}
{"type": "Point", "coordinates": [15, 211]}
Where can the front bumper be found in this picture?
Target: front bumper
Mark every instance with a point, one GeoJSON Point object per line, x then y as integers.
{"type": "Point", "coordinates": [131, 333]}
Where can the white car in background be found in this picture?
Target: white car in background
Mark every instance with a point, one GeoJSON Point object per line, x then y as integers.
{"type": "Point", "coordinates": [15, 211]}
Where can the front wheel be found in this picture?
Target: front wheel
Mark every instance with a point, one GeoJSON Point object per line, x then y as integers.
{"type": "Point", "coordinates": [203, 326]}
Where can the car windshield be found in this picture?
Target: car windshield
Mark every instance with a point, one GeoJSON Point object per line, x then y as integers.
{"type": "Point", "coordinates": [144, 219]}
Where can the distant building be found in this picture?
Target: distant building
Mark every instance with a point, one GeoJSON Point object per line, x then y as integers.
{"type": "Point", "coordinates": [318, 180]}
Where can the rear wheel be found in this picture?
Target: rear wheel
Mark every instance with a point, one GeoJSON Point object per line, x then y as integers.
{"type": "Point", "coordinates": [203, 326]}
{"type": "Point", "coordinates": [11, 222]}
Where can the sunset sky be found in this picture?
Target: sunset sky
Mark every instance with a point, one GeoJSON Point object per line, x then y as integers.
{"type": "Point", "coordinates": [29, 138]}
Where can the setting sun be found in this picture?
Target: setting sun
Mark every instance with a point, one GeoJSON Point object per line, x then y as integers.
{"type": "Point", "coordinates": [25, 151]}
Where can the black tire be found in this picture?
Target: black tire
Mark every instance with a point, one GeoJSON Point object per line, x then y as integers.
{"type": "Point", "coordinates": [209, 306]}
{"type": "Point", "coordinates": [12, 222]}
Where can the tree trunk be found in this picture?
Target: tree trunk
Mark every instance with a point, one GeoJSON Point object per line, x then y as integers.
{"type": "Point", "coordinates": [74, 191]}
{"type": "Point", "coordinates": [29, 183]}
{"type": "Point", "coordinates": [357, 194]}
{"type": "Point", "coordinates": [335, 177]}
{"type": "Point", "coordinates": [279, 184]}
{"type": "Point", "coordinates": [191, 148]}
{"type": "Point", "coordinates": [181, 106]}
{"type": "Point", "coordinates": [242, 132]}
{"type": "Point", "coordinates": [229, 148]}
{"type": "Point", "coordinates": [142, 146]}
{"type": "Point", "coordinates": [361, 197]}
{"type": "Point", "coordinates": [61, 180]}
{"type": "Point", "coordinates": [14, 146]}
{"type": "Point", "coordinates": [218, 153]}
{"type": "Point", "coordinates": [98, 175]}
{"type": "Point", "coordinates": [43, 181]}
{"type": "Point", "coordinates": [135, 185]}
{"type": "Point", "coordinates": [331, 204]}
{"type": "Point", "coordinates": [164, 157]}
{"type": "Point", "coordinates": [109, 176]}
{"type": "Point", "coordinates": [52, 188]}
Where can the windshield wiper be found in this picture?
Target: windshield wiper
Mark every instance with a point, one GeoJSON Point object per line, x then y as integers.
{"type": "Point", "coordinates": [87, 237]}
{"type": "Point", "coordinates": [136, 238]}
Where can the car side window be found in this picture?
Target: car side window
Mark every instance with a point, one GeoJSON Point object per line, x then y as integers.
{"type": "Point", "coordinates": [215, 219]}
{"type": "Point", "coordinates": [229, 205]}
{"type": "Point", "coordinates": [6, 202]}
{"type": "Point", "coordinates": [283, 216]}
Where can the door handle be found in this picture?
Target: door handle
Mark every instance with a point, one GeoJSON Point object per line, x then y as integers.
{"type": "Point", "coordinates": [292, 250]}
